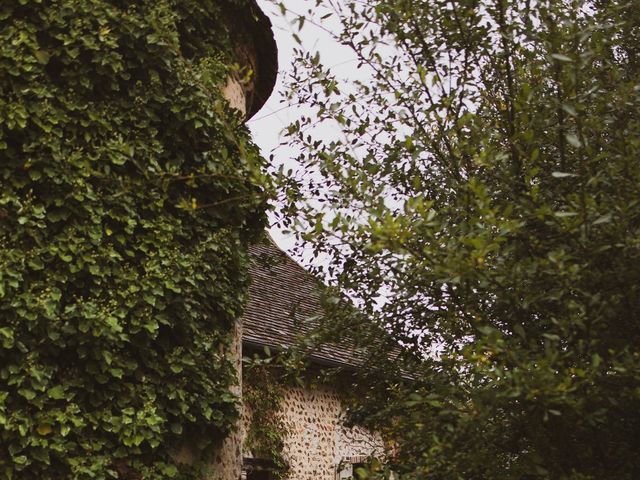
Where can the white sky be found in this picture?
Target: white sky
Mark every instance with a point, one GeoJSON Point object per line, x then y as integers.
{"type": "Point", "coordinates": [267, 125]}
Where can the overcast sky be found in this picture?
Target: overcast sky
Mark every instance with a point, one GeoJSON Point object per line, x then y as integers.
{"type": "Point", "coordinates": [267, 125]}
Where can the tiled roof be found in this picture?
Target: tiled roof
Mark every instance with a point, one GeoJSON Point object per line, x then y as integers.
{"type": "Point", "coordinates": [284, 305]}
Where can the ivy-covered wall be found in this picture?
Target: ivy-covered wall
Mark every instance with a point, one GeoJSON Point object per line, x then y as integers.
{"type": "Point", "coordinates": [128, 193]}
{"type": "Point", "coordinates": [302, 430]}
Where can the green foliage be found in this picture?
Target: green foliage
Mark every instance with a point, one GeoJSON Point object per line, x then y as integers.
{"type": "Point", "coordinates": [484, 208]}
{"type": "Point", "coordinates": [262, 394]}
{"type": "Point", "coordinates": [128, 193]}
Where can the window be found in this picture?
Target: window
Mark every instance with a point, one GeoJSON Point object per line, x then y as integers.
{"type": "Point", "coordinates": [356, 466]}
{"type": "Point", "coordinates": [257, 469]}
{"type": "Point", "coordinates": [259, 475]}
{"type": "Point", "coordinates": [347, 469]}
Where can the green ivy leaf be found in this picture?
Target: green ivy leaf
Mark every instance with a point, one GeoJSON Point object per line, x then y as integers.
{"type": "Point", "coordinates": [56, 393]}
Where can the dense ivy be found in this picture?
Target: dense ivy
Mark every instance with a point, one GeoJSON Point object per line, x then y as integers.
{"type": "Point", "coordinates": [129, 190]}
{"type": "Point", "coordinates": [263, 384]}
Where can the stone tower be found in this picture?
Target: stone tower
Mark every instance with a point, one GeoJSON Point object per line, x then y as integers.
{"type": "Point", "coordinates": [246, 90]}
{"type": "Point", "coordinates": [256, 54]}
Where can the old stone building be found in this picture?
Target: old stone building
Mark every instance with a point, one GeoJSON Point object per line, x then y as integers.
{"type": "Point", "coordinates": [283, 299]}
{"type": "Point", "coordinates": [283, 296]}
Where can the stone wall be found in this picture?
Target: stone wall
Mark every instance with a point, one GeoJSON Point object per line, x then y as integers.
{"type": "Point", "coordinates": [227, 463]}
{"type": "Point", "coordinates": [234, 92]}
{"type": "Point", "coordinates": [317, 442]}
{"type": "Point", "coordinates": [240, 87]}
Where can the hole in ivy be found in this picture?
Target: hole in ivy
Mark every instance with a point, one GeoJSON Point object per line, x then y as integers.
{"type": "Point", "coordinates": [259, 475]}
{"type": "Point", "coordinates": [258, 469]}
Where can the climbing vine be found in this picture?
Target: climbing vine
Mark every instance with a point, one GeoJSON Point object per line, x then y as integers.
{"type": "Point", "coordinates": [128, 193]}
{"type": "Point", "coordinates": [262, 394]}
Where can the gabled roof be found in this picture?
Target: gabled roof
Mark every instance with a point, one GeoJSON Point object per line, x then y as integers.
{"type": "Point", "coordinates": [284, 305]}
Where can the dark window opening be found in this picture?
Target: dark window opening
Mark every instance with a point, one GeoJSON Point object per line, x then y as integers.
{"type": "Point", "coordinates": [356, 475]}
{"type": "Point", "coordinates": [259, 475]}
{"type": "Point", "coordinates": [258, 469]}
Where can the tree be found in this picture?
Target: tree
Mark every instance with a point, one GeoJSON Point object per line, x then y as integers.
{"type": "Point", "coordinates": [129, 191]}
{"type": "Point", "coordinates": [481, 203]}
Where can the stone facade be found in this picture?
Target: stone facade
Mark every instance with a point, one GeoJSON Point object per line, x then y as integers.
{"type": "Point", "coordinates": [317, 445]}
{"type": "Point", "coordinates": [228, 461]}
{"type": "Point", "coordinates": [234, 92]}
